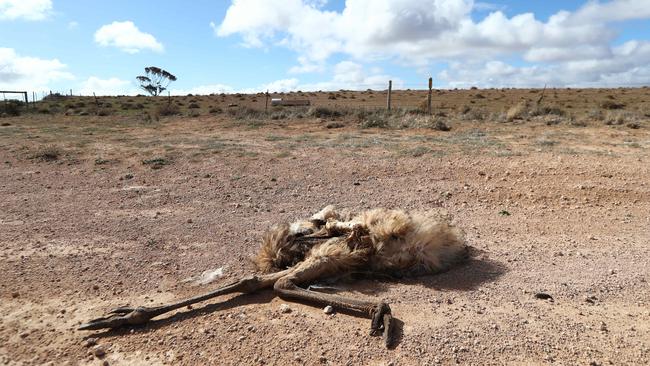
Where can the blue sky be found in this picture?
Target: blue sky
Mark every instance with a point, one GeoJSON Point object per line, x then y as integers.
{"type": "Point", "coordinates": [252, 45]}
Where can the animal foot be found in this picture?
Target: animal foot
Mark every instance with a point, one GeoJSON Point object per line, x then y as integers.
{"type": "Point", "coordinates": [119, 317]}
{"type": "Point", "coordinates": [382, 322]}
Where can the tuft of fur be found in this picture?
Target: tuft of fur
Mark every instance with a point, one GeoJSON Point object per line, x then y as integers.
{"type": "Point", "coordinates": [378, 240]}
{"type": "Point", "coordinates": [276, 251]}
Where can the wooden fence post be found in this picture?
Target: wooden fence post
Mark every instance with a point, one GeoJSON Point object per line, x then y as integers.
{"type": "Point", "coordinates": [266, 101]}
{"type": "Point", "coordinates": [390, 91]}
{"type": "Point", "coordinates": [429, 97]}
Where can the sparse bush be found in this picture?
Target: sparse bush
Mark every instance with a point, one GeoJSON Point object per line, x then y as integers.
{"type": "Point", "coordinates": [333, 125]}
{"type": "Point", "coordinates": [325, 112]}
{"type": "Point", "coordinates": [546, 110]}
{"type": "Point", "coordinates": [518, 111]}
{"type": "Point", "coordinates": [156, 163]}
{"type": "Point", "coordinates": [215, 110]}
{"type": "Point", "coordinates": [375, 121]}
{"type": "Point", "coordinates": [167, 110]}
{"type": "Point", "coordinates": [47, 153]}
{"type": "Point", "coordinates": [596, 114]}
{"type": "Point", "coordinates": [617, 118]}
{"type": "Point", "coordinates": [611, 105]}
{"type": "Point", "coordinates": [440, 125]}
{"type": "Point", "coordinates": [245, 113]}
{"type": "Point", "coordinates": [104, 112]}
{"type": "Point", "coordinates": [193, 106]}
{"type": "Point", "coordinates": [11, 108]}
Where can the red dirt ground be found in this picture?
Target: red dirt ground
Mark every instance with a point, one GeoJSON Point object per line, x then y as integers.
{"type": "Point", "coordinates": [96, 228]}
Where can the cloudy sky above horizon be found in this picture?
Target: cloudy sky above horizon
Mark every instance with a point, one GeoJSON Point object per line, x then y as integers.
{"type": "Point", "coordinates": [284, 45]}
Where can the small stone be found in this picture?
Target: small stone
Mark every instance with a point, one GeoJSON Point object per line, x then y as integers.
{"type": "Point", "coordinates": [328, 310]}
{"type": "Point", "coordinates": [105, 363]}
{"type": "Point", "coordinates": [322, 359]}
{"type": "Point", "coordinates": [99, 351]}
{"type": "Point", "coordinates": [285, 309]}
{"type": "Point", "coordinates": [189, 221]}
{"type": "Point", "coordinates": [95, 287]}
{"type": "Point", "coordinates": [90, 342]}
{"type": "Point", "coordinates": [543, 296]}
{"type": "Point", "coordinates": [603, 327]}
{"type": "Point", "coordinates": [14, 295]}
{"type": "Point", "coordinates": [241, 338]}
{"type": "Point", "coordinates": [24, 334]}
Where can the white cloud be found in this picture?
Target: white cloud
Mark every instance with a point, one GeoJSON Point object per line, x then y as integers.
{"type": "Point", "coordinates": [25, 9]}
{"type": "Point", "coordinates": [73, 25]}
{"type": "Point", "coordinates": [421, 32]}
{"type": "Point", "coordinates": [204, 90]}
{"type": "Point", "coordinates": [127, 37]}
{"type": "Point", "coordinates": [110, 86]}
{"type": "Point", "coordinates": [29, 73]}
{"type": "Point", "coordinates": [629, 65]}
{"type": "Point", "coordinates": [346, 75]}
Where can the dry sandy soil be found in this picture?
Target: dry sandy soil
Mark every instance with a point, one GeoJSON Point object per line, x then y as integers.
{"type": "Point", "coordinates": [85, 226]}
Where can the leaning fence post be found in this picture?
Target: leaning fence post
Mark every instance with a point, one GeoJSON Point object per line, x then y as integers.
{"type": "Point", "coordinates": [429, 97]}
{"type": "Point", "coordinates": [390, 91]}
{"type": "Point", "coordinates": [266, 101]}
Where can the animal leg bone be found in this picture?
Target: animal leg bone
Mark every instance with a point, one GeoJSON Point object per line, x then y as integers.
{"type": "Point", "coordinates": [378, 312]}
{"type": "Point", "coordinates": [141, 314]}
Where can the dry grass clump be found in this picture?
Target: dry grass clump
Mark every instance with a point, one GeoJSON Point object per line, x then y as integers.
{"type": "Point", "coordinates": [468, 113]}
{"type": "Point", "coordinates": [326, 112]}
{"type": "Point", "coordinates": [47, 153]}
{"type": "Point", "coordinates": [618, 118]}
{"type": "Point", "coordinates": [611, 105]}
{"type": "Point", "coordinates": [11, 108]}
{"type": "Point", "coordinates": [245, 113]}
{"type": "Point", "coordinates": [168, 109]}
{"type": "Point", "coordinates": [401, 119]}
{"type": "Point", "coordinates": [157, 162]}
{"type": "Point", "coordinates": [517, 112]}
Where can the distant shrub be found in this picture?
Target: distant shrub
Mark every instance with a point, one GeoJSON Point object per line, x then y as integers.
{"type": "Point", "coordinates": [11, 108]}
{"type": "Point", "coordinates": [325, 112]}
{"type": "Point", "coordinates": [245, 113]}
{"type": "Point", "coordinates": [47, 153]}
{"type": "Point", "coordinates": [157, 162]}
{"type": "Point", "coordinates": [611, 105]}
{"type": "Point", "coordinates": [167, 110]}
{"type": "Point", "coordinates": [440, 125]}
{"type": "Point", "coordinates": [546, 110]}
{"type": "Point", "coordinates": [194, 106]}
{"type": "Point", "coordinates": [518, 111]}
{"type": "Point", "coordinates": [104, 112]}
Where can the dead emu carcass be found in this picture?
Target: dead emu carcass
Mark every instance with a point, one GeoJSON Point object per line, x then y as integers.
{"type": "Point", "coordinates": [329, 244]}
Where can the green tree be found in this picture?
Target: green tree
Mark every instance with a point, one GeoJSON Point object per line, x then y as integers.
{"type": "Point", "coordinates": [155, 80]}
